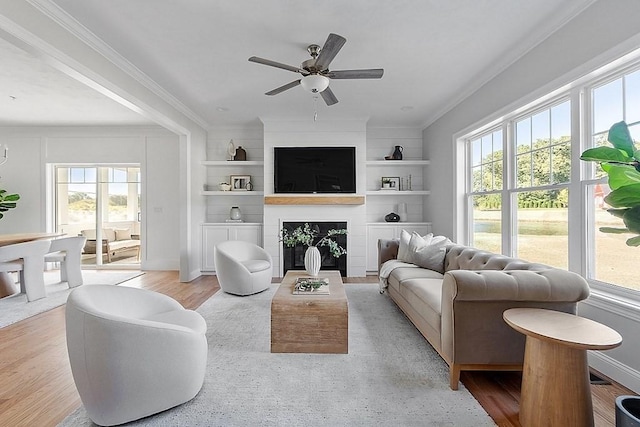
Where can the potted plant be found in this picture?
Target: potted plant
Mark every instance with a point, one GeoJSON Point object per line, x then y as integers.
{"type": "Point", "coordinates": [310, 236]}
{"type": "Point", "coordinates": [7, 201]}
{"type": "Point", "coordinates": [622, 165]}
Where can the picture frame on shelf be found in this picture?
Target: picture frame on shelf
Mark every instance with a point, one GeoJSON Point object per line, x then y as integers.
{"type": "Point", "coordinates": [240, 182]}
{"type": "Point", "coordinates": [390, 183]}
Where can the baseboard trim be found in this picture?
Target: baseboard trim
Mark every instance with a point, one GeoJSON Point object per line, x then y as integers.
{"type": "Point", "coordinates": [615, 370]}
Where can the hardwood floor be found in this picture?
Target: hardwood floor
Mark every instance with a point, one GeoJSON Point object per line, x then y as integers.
{"type": "Point", "coordinates": [37, 389]}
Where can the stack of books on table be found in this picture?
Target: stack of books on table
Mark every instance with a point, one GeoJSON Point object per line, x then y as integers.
{"type": "Point", "coordinates": [311, 285]}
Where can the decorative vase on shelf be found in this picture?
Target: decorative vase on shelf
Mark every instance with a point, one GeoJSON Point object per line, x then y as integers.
{"type": "Point", "coordinates": [397, 153]}
{"type": "Point", "coordinates": [235, 213]}
{"type": "Point", "coordinates": [312, 261]}
{"type": "Point", "coordinates": [241, 154]}
{"type": "Point", "coordinates": [231, 150]}
{"type": "Point", "coordinates": [402, 212]}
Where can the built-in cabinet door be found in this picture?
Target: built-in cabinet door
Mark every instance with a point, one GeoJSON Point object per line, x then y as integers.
{"type": "Point", "coordinates": [389, 231]}
{"type": "Point", "coordinates": [212, 234]}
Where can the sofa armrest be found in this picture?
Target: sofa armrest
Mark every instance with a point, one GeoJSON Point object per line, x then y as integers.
{"type": "Point", "coordinates": [387, 249]}
{"type": "Point", "coordinates": [472, 328]}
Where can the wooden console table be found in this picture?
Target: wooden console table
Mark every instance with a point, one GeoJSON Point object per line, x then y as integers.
{"type": "Point", "coordinates": [555, 380]}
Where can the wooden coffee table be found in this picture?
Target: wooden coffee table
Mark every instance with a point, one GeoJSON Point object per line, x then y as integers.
{"type": "Point", "coordinates": [555, 377]}
{"type": "Point", "coordinates": [310, 323]}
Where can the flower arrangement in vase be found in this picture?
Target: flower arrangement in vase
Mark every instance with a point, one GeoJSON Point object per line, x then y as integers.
{"type": "Point", "coordinates": [310, 236]}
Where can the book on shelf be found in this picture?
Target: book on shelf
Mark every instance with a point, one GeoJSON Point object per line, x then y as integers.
{"type": "Point", "coordinates": [311, 285]}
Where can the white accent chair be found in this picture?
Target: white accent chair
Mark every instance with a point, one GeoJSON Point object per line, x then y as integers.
{"type": "Point", "coordinates": [28, 259]}
{"type": "Point", "coordinates": [242, 268]}
{"type": "Point", "coordinates": [133, 352]}
{"type": "Point", "coordinates": [68, 252]}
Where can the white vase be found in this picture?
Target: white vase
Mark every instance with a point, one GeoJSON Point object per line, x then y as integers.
{"type": "Point", "coordinates": [402, 212]}
{"type": "Point", "coordinates": [312, 261]}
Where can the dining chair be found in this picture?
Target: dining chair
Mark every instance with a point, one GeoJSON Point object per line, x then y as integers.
{"type": "Point", "coordinates": [68, 252]}
{"type": "Point", "coordinates": [28, 259]}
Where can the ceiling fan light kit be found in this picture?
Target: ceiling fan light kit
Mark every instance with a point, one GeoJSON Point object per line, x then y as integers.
{"type": "Point", "coordinates": [314, 83]}
{"type": "Point", "coordinates": [315, 71]}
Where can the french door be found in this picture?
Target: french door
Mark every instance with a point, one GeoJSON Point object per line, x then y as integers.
{"type": "Point", "coordinates": [101, 202]}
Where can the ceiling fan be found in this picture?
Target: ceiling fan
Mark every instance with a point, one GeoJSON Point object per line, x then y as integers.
{"type": "Point", "coordinates": [315, 71]}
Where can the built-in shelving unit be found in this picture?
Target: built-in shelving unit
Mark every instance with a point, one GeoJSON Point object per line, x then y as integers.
{"type": "Point", "coordinates": [219, 202]}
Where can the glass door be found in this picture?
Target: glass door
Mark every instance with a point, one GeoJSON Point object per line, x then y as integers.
{"type": "Point", "coordinates": [101, 203]}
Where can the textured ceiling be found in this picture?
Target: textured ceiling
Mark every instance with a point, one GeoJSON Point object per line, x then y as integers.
{"type": "Point", "coordinates": [433, 52]}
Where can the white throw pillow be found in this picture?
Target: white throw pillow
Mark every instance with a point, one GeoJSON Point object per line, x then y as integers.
{"type": "Point", "coordinates": [429, 253]}
{"type": "Point", "coordinates": [404, 251]}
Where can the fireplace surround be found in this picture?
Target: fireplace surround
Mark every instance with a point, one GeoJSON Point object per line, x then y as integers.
{"type": "Point", "coordinates": [293, 257]}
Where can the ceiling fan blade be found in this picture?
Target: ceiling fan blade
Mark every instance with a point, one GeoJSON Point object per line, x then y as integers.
{"type": "Point", "coordinates": [329, 51]}
{"type": "Point", "coordinates": [373, 73]}
{"type": "Point", "coordinates": [276, 64]}
{"type": "Point", "coordinates": [329, 97]}
{"type": "Point", "coordinates": [283, 88]}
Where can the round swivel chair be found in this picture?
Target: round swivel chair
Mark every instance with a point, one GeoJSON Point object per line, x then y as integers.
{"type": "Point", "coordinates": [243, 268]}
{"type": "Point", "coordinates": [133, 352]}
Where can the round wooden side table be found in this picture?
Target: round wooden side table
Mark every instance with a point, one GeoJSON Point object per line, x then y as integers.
{"type": "Point", "coordinates": [555, 379]}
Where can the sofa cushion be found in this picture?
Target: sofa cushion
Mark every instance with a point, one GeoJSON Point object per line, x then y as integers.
{"type": "Point", "coordinates": [123, 234]}
{"type": "Point", "coordinates": [401, 274]}
{"type": "Point", "coordinates": [107, 233]}
{"type": "Point", "coordinates": [255, 265]}
{"type": "Point", "coordinates": [424, 295]}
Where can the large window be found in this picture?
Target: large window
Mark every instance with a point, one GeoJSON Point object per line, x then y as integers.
{"type": "Point", "coordinates": [536, 197]}
{"type": "Point", "coordinates": [616, 99]}
{"type": "Point", "coordinates": [524, 171]}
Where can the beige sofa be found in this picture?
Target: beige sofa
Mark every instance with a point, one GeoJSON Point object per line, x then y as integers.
{"type": "Point", "coordinates": [459, 310]}
{"type": "Point", "coordinates": [114, 240]}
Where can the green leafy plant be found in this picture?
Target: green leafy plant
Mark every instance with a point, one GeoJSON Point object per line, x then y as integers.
{"type": "Point", "coordinates": [7, 201]}
{"type": "Point", "coordinates": [621, 163]}
{"type": "Point", "coordinates": [310, 236]}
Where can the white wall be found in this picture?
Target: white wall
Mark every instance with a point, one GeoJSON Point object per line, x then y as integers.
{"type": "Point", "coordinates": [155, 149]}
{"type": "Point", "coordinates": [603, 32]}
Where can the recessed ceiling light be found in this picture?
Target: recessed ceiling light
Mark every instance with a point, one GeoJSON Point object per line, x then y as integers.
{"type": "Point", "coordinates": [406, 108]}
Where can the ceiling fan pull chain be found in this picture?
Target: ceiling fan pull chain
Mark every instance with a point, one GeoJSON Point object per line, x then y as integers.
{"type": "Point", "coordinates": [315, 108]}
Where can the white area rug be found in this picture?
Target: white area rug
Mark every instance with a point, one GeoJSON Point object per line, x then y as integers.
{"type": "Point", "coordinates": [15, 308]}
{"type": "Point", "coordinates": [391, 376]}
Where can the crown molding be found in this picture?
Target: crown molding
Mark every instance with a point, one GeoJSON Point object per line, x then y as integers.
{"type": "Point", "coordinates": [70, 24]}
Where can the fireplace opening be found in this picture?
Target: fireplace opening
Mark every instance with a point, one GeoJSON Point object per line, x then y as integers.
{"type": "Point", "coordinates": [293, 258]}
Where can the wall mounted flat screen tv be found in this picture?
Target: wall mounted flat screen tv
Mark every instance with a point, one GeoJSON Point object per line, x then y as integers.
{"type": "Point", "coordinates": [314, 169]}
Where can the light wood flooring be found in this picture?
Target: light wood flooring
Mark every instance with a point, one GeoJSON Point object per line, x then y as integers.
{"type": "Point", "coordinates": [37, 389]}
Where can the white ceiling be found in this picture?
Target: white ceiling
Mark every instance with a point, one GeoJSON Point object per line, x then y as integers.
{"type": "Point", "coordinates": [434, 53]}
